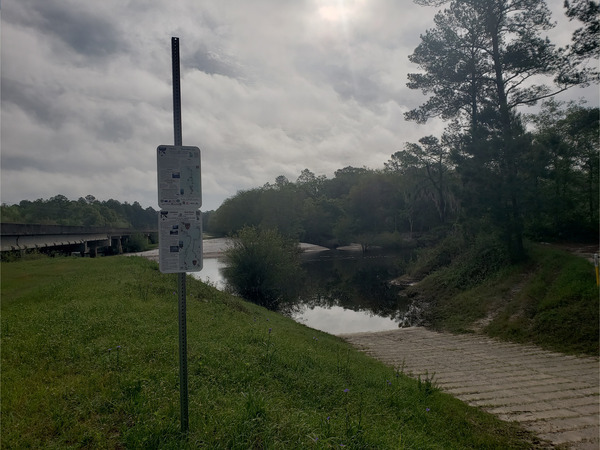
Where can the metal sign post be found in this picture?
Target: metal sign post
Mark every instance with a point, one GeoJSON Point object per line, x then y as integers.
{"type": "Point", "coordinates": [181, 288]}
{"type": "Point", "coordinates": [179, 220]}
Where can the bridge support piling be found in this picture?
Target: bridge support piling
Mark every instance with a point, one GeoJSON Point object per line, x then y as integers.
{"type": "Point", "coordinates": [116, 245]}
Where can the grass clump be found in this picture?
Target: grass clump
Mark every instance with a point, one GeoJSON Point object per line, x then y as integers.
{"type": "Point", "coordinates": [90, 359]}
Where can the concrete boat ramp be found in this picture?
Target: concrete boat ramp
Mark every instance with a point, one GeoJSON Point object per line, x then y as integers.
{"type": "Point", "coordinates": [554, 395]}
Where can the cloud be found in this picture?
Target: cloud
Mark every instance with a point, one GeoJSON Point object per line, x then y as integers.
{"type": "Point", "coordinates": [268, 88]}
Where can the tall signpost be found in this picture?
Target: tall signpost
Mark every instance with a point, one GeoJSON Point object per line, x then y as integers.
{"type": "Point", "coordinates": [180, 220]}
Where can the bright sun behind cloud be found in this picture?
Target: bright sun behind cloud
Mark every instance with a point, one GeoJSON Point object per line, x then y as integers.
{"type": "Point", "coordinates": [338, 10]}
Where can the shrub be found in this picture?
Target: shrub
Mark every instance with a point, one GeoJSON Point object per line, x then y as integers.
{"type": "Point", "coordinates": [263, 267]}
{"type": "Point", "coordinates": [462, 260]}
{"type": "Point", "coordinates": [485, 256]}
{"type": "Point", "coordinates": [136, 243]}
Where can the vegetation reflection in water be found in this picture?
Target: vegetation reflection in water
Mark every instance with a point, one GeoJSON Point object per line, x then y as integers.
{"type": "Point", "coordinates": [344, 291]}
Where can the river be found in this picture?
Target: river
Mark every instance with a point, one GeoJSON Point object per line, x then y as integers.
{"type": "Point", "coordinates": [345, 291]}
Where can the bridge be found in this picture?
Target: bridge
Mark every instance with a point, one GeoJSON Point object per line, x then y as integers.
{"type": "Point", "coordinates": [66, 239]}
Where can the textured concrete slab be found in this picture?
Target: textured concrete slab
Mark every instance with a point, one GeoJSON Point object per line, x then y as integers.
{"type": "Point", "coordinates": [554, 395]}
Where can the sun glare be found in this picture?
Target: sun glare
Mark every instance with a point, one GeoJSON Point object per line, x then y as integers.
{"type": "Point", "coordinates": [338, 10]}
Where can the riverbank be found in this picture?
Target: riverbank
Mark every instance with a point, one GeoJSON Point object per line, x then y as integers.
{"type": "Point", "coordinates": [550, 300]}
{"type": "Point", "coordinates": [89, 359]}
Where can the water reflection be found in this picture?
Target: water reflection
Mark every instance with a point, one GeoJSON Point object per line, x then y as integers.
{"type": "Point", "coordinates": [211, 272]}
{"type": "Point", "coordinates": [344, 291]}
{"type": "Point", "coordinates": [348, 292]}
{"type": "Point", "coordinates": [338, 320]}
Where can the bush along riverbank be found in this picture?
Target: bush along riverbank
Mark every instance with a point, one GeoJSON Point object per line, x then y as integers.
{"type": "Point", "coordinates": [550, 299]}
{"type": "Point", "coordinates": [90, 359]}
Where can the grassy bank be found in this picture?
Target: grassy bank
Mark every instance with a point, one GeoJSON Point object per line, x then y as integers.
{"type": "Point", "coordinates": [89, 359]}
{"type": "Point", "coordinates": [549, 300]}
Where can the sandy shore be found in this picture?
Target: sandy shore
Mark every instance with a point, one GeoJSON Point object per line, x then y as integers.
{"type": "Point", "coordinates": [214, 248]}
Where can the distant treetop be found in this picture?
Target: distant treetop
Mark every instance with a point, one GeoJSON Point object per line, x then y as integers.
{"type": "Point", "coordinates": [88, 211]}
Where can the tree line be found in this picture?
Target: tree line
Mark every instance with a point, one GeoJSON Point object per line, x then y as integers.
{"type": "Point", "coordinates": [87, 212]}
{"type": "Point", "coordinates": [494, 169]}
{"type": "Point", "coordinates": [483, 60]}
{"type": "Point", "coordinates": [427, 186]}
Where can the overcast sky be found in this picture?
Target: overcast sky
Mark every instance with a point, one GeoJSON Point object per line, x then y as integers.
{"type": "Point", "coordinates": [269, 87]}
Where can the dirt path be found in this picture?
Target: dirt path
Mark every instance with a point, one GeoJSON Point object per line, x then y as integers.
{"type": "Point", "coordinates": [554, 395]}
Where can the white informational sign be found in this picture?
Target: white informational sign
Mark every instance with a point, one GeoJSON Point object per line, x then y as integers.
{"type": "Point", "coordinates": [179, 181]}
{"type": "Point", "coordinates": [180, 241]}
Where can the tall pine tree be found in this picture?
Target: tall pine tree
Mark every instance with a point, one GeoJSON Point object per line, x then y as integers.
{"type": "Point", "coordinates": [480, 63]}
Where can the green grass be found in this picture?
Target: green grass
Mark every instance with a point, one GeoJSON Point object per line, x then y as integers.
{"type": "Point", "coordinates": [90, 359]}
{"type": "Point", "coordinates": [551, 300]}
{"type": "Point", "coordinates": [556, 307]}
